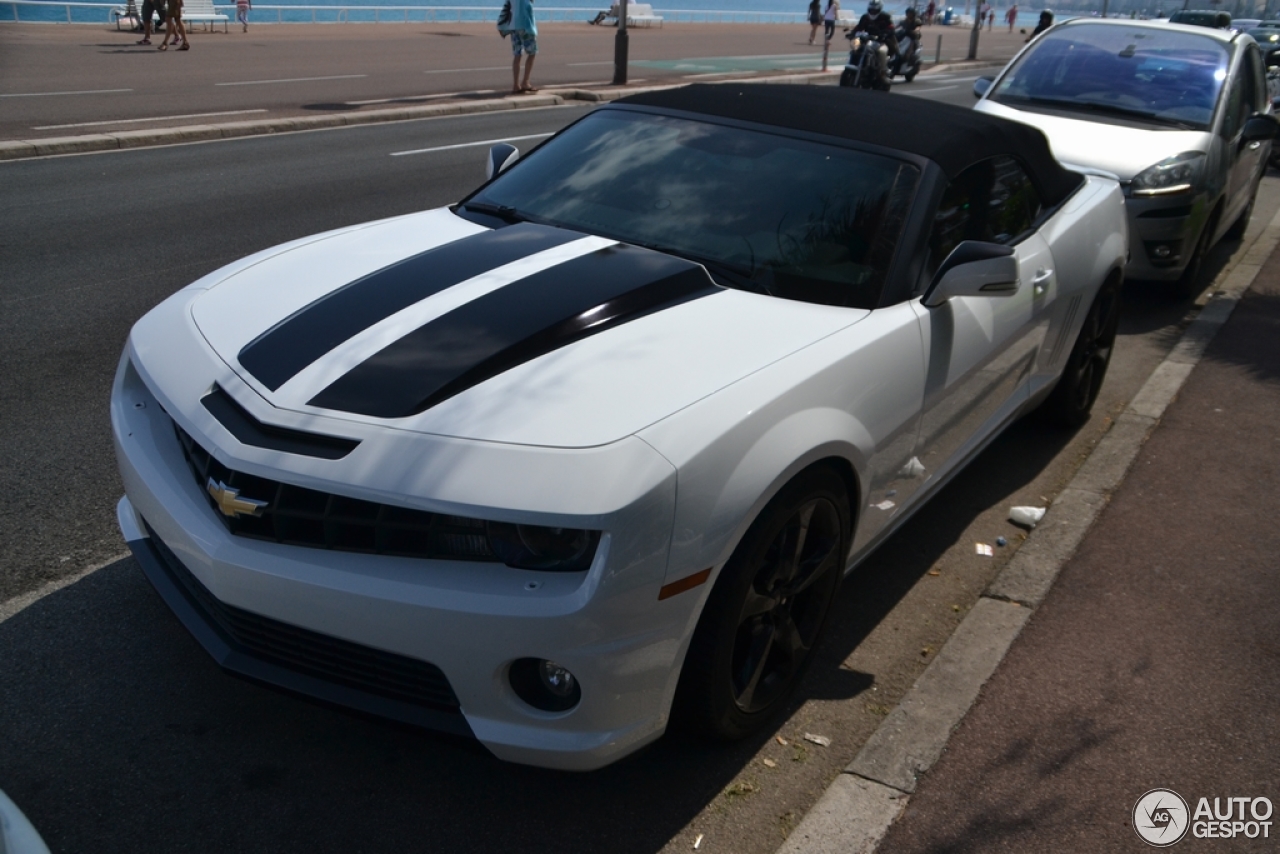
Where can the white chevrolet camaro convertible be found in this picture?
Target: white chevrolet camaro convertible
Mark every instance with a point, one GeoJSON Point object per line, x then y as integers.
{"type": "Point", "coordinates": [592, 449]}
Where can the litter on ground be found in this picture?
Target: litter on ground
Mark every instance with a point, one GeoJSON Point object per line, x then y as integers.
{"type": "Point", "coordinates": [1027, 517]}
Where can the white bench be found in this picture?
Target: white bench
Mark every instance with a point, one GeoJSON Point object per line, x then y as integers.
{"type": "Point", "coordinates": [202, 12]}
{"type": "Point", "coordinates": [638, 15]}
{"type": "Point", "coordinates": [641, 15]}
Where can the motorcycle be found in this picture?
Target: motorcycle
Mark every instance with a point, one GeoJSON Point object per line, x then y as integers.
{"type": "Point", "coordinates": [863, 69]}
{"type": "Point", "coordinates": [907, 62]}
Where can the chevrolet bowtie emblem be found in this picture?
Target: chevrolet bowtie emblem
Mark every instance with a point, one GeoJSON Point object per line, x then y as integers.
{"type": "Point", "coordinates": [230, 502]}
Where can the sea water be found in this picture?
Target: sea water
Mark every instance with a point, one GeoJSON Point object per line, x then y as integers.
{"type": "Point", "coordinates": [477, 11]}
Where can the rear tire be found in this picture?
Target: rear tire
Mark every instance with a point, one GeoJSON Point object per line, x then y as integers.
{"type": "Point", "coordinates": [768, 610]}
{"type": "Point", "coordinates": [848, 79]}
{"type": "Point", "coordinates": [1073, 397]}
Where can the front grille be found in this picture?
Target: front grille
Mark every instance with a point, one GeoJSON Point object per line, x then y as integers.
{"type": "Point", "coordinates": [311, 653]}
{"type": "Point", "coordinates": [298, 516]}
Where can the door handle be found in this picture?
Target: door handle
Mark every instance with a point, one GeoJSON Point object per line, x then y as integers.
{"type": "Point", "coordinates": [1040, 282]}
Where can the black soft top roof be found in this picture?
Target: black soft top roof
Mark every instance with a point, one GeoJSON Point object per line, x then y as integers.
{"type": "Point", "coordinates": [953, 137]}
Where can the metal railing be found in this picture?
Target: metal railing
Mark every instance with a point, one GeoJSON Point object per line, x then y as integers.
{"type": "Point", "coordinates": [73, 12]}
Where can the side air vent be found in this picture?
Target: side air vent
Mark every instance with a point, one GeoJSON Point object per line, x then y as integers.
{"type": "Point", "coordinates": [1060, 342]}
{"type": "Point", "coordinates": [250, 431]}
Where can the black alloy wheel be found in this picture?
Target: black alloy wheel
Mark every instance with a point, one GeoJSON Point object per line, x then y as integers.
{"type": "Point", "coordinates": [768, 610]}
{"type": "Point", "coordinates": [1073, 397]}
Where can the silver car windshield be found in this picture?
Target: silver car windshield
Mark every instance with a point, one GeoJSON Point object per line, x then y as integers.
{"type": "Point", "coordinates": [1146, 74]}
{"type": "Point", "coordinates": [764, 212]}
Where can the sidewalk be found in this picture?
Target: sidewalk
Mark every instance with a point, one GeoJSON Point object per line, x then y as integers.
{"type": "Point", "coordinates": [1151, 662]}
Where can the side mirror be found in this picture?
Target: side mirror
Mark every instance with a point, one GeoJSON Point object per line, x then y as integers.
{"type": "Point", "coordinates": [974, 269]}
{"type": "Point", "coordinates": [1259, 128]}
{"type": "Point", "coordinates": [501, 156]}
{"type": "Point", "coordinates": [982, 85]}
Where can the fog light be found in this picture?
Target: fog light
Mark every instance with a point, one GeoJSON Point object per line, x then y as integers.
{"type": "Point", "coordinates": [544, 684]}
{"type": "Point", "coordinates": [1163, 253]}
{"type": "Point", "coordinates": [557, 679]}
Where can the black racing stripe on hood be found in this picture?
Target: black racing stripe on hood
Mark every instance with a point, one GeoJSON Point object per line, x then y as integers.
{"type": "Point", "coordinates": [512, 325]}
{"type": "Point", "coordinates": [278, 354]}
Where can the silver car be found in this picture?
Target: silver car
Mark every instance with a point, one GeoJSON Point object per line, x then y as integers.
{"type": "Point", "coordinates": [1180, 114]}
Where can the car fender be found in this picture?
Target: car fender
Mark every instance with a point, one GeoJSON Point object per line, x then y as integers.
{"type": "Point", "coordinates": [722, 490]}
{"type": "Point", "coordinates": [719, 499]}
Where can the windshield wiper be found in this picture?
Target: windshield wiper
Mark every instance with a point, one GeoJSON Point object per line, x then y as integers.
{"type": "Point", "coordinates": [506, 213]}
{"type": "Point", "coordinates": [1096, 107]}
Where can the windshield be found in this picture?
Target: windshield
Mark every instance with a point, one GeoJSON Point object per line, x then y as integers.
{"type": "Point", "coordinates": [764, 212]}
{"type": "Point", "coordinates": [1145, 74]}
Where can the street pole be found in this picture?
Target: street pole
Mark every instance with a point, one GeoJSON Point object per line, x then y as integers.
{"type": "Point", "coordinates": [620, 47]}
{"type": "Point", "coordinates": [973, 34]}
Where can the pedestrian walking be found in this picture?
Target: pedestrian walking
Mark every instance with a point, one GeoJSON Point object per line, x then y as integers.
{"type": "Point", "coordinates": [815, 19]}
{"type": "Point", "coordinates": [175, 27]}
{"type": "Point", "coordinates": [1012, 17]}
{"type": "Point", "coordinates": [523, 30]}
{"type": "Point", "coordinates": [242, 12]}
{"type": "Point", "coordinates": [982, 14]}
{"type": "Point", "coordinates": [149, 10]}
{"type": "Point", "coordinates": [929, 12]}
{"type": "Point", "coordinates": [991, 18]}
{"type": "Point", "coordinates": [830, 17]}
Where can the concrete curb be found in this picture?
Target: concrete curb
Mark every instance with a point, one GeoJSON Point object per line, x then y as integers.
{"type": "Point", "coordinates": [859, 806]}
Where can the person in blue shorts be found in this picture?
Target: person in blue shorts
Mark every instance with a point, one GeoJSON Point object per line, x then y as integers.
{"type": "Point", "coordinates": [524, 40]}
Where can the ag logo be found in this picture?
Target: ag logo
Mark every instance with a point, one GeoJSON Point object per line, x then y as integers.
{"type": "Point", "coordinates": [1161, 817]}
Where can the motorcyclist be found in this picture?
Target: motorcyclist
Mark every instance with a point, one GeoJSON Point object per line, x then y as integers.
{"type": "Point", "coordinates": [1046, 21]}
{"type": "Point", "coordinates": [909, 42]}
{"type": "Point", "coordinates": [879, 24]}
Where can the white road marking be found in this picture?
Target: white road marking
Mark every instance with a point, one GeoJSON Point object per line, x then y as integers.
{"type": "Point", "coordinates": [155, 119]}
{"type": "Point", "coordinates": [463, 70]}
{"type": "Point", "coordinates": [471, 144]}
{"type": "Point", "coordinates": [10, 607]}
{"type": "Point", "coordinates": [931, 91]}
{"type": "Point", "coordinates": [42, 94]}
{"type": "Point", "coordinates": [292, 80]}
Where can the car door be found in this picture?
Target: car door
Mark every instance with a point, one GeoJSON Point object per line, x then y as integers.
{"type": "Point", "coordinates": [980, 350]}
{"type": "Point", "coordinates": [1242, 160]}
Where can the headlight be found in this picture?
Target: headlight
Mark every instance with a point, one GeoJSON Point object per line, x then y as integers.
{"type": "Point", "coordinates": [1171, 175]}
{"type": "Point", "coordinates": [539, 547]}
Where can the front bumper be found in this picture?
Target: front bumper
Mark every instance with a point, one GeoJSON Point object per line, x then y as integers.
{"type": "Point", "coordinates": [1163, 231]}
{"type": "Point", "coordinates": [447, 630]}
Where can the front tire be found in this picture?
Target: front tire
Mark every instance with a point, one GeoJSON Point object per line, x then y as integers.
{"type": "Point", "coordinates": [849, 78]}
{"type": "Point", "coordinates": [1238, 228]}
{"type": "Point", "coordinates": [1188, 284]}
{"type": "Point", "coordinates": [1073, 397]}
{"type": "Point", "coordinates": [768, 610]}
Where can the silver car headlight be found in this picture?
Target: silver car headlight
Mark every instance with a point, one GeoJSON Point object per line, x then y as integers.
{"type": "Point", "coordinates": [1175, 174]}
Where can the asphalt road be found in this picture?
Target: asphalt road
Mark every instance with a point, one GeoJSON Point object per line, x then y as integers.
{"type": "Point", "coordinates": [58, 80]}
{"type": "Point", "coordinates": [118, 734]}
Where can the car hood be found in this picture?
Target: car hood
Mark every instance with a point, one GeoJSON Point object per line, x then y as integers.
{"type": "Point", "coordinates": [526, 334]}
{"type": "Point", "coordinates": [1121, 151]}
